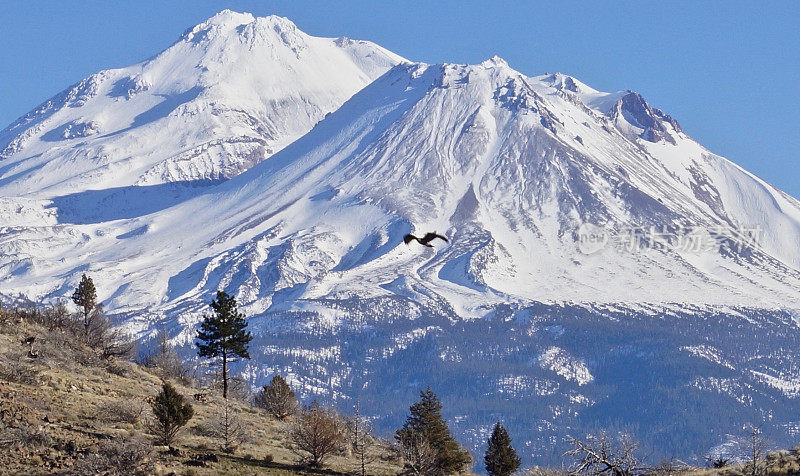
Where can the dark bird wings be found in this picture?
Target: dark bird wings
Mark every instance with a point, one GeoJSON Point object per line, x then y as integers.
{"type": "Point", "coordinates": [425, 240]}
{"type": "Point", "coordinates": [430, 237]}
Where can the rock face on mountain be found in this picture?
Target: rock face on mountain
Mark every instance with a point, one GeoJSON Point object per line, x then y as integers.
{"type": "Point", "coordinates": [602, 269]}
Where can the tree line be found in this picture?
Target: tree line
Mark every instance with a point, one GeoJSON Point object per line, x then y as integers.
{"type": "Point", "coordinates": [425, 442]}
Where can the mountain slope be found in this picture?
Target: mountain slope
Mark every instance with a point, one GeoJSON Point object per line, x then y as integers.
{"type": "Point", "coordinates": [509, 166]}
{"type": "Point", "coordinates": [229, 93]}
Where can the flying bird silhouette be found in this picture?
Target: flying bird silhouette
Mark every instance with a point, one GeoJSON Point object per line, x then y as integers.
{"type": "Point", "coordinates": [425, 240]}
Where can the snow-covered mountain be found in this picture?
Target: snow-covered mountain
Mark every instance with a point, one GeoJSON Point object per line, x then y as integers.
{"type": "Point", "coordinates": [587, 232]}
{"type": "Point", "coordinates": [229, 93]}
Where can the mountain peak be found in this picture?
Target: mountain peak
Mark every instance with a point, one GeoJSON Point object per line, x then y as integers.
{"type": "Point", "coordinates": [565, 82]}
{"type": "Point", "coordinates": [229, 93]}
{"type": "Point", "coordinates": [494, 61]}
{"type": "Point", "coordinates": [637, 112]}
{"type": "Point", "coordinates": [228, 16]}
{"type": "Point", "coordinates": [227, 20]}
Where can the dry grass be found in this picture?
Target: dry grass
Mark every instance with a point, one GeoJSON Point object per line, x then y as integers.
{"type": "Point", "coordinates": [128, 411]}
{"type": "Point", "coordinates": [71, 413]}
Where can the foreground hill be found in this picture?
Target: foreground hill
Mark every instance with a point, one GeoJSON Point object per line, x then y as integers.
{"type": "Point", "coordinates": [68, 412]}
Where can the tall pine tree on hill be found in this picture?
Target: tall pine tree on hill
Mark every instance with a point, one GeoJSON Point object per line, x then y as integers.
{"type": "Point", "coordinates": [223, 335]}
{"type": "Point", "coordinates": [501, 459]}
{"type": "Point", "coordinates": [85, 297]}
{"type": "Point", "coordinates": [425, 423]}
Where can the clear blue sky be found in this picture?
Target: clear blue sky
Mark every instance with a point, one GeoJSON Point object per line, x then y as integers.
{"type": "Point", "coordinates": [729, 72]}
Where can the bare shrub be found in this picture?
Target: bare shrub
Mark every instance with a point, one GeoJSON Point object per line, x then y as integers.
{"type": "Point", "coordinates": [601, 454]}
{"type": "Point", "coordinates": [162, 358]}
{"type": "Point", "coordinates": [53, 317]}
{"type": "Point", "coordinates": [122, 411]}
{"type": "Point", "coordinates": [56, 317]}
{"type": "Point", "coordinates": [317, 433]}
{"type": "Point", "coordinates": [24, 435]}
{"type": "Point", "coordinates": [110, 341]}
{"type": "Point", "coordinates": [669, 467]}
{"type": "Point", "coordinates": [544, 471]}
{"type": "Point", "coordinates": [61, 349]}
{"type": "Point", "coordinates": [228, 428]}
{"type": "Point", "coordinates": [419, 456]}
{"type": "Point", "coordinates": [361, 439]}
{"type": "Point", "coordinates": [12, 370]}
{"type": "Point", "coordinates": [238, 388]}
{"type": "Point", "coordinates": [784, 462]}
{"type": "Point", "coordinates": [753, 448]}
{"type": "Point", "coordinates": [201, 429]}
{"type": "Point", "coordinates": [113, 367]}
{"type": "Point", "coordinates": [124, 456]}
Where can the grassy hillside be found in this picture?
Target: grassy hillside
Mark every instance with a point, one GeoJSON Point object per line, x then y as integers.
{"type": "Point", "coordinates": [66, 411]}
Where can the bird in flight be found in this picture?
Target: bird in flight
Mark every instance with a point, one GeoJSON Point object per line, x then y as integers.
{"type": "Point", "coordinates": [425, 240]}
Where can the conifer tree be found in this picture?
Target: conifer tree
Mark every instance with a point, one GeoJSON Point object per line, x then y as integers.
{"type": "Point", "coordinates": [172, 412]}
{"type": "Point", "coordinates": [277, 398]}
{"type": "Point", "coordinates": [425, 423]}
{"type": "Point", "coordinates": [98, 333]}
{"type": "Point", "coordinates": [501, 459]}
{"type": "Point", "coordinates": [85, 297]}
{"type": "Point", "coordinates": [223, 335]}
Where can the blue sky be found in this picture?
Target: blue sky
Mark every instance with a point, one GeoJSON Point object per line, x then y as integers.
{"type": "Point", "coordinates": [729, 72]}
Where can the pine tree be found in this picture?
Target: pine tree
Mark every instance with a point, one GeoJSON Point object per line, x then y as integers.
{"type": "Point", "coordinates": [223, 335]}
{"type": "Point", "coordinates": [500, 458]}
{"type": "Point", "coordinates": [425, 423]}
{"type": "Point", "coordinates": [172, 412]}
{"type": "Point", "coordinates": [85, 297]}
{"type": "Point", "coordinates": [98, 333]}
{"type": "Point", "coordinates": [277, 398]}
